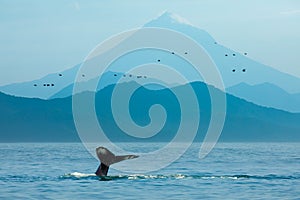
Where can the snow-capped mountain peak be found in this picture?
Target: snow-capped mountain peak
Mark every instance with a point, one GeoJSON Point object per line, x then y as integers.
{"type": "Point", "coordinates": [169, 17]}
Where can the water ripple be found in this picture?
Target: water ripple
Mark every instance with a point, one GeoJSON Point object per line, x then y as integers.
{"type": "Point", "coordinates": [78, 175]}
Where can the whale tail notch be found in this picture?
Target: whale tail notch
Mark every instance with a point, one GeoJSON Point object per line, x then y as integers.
{"type": "Point", "coordinates": [107, 158]}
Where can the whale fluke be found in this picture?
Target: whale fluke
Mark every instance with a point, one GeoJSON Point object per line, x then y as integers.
{"type": "Point", "coordinates": [107, 158]}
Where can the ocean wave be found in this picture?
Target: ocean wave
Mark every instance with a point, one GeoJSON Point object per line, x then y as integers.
{"type": "Point", "coordinates": [78, 175]}
{"type": "Point", "coordinates": [89, 176]}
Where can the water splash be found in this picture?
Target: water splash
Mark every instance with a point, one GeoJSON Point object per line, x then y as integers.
{"type": "Point", "coordinates": [83, 176]}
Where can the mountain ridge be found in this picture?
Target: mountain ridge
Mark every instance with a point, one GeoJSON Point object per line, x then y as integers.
{"type": "Point", "coordinates": [38, 120]}
{"type": "Point", "coordinates": [234, 67]}
{"type": "Point", "coordinates": [267, 95]}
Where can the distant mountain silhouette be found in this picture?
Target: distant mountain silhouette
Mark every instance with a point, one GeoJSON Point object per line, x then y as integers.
{"type": "Point", "coordinates": [36, 120]}
{"type": "Point", "coordinates": [235, 68]}
{"type": "Point", "coordinates": [267, 94]}
{"type": "Point", "coordinates": [38, 89]}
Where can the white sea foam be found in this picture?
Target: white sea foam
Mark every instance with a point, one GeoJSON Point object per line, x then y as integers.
{"type": "Point", "coordinates": [80, 175]}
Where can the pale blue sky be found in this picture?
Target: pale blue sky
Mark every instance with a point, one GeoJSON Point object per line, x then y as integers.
{"type": "Point", "coordinates": [41, 37]}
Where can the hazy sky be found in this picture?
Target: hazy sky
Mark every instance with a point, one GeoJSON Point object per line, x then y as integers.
{"type": "Point", "coordinates": [41, 37]}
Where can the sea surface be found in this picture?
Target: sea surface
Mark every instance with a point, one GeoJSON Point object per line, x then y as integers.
{"type": "Point", "coordinates": [230, 171]}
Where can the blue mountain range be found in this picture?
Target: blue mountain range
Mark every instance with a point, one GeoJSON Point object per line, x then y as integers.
{"type": "Point", "coordinates": [236, 68]}
{"type": "Point", "coordinates": [263, 104]}
{"type": "Point", "coordinates": [37, 120]}
{"type": "Point", "coordinates": [268, 95]}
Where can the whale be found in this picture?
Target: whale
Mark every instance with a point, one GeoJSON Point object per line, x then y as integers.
{"type": "Point", "coordinates": [107, 158]}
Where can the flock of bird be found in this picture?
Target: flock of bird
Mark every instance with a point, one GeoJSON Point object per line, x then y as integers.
{"type": "Point", "coordinates": [139, 76]}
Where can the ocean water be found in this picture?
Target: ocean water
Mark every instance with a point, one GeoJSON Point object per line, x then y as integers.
{"type": "Point", "coordinates": [230, 171]}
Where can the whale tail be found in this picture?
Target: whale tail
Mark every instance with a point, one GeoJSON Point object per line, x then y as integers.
{"type": "Point", "coordinates": [107, 158]}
